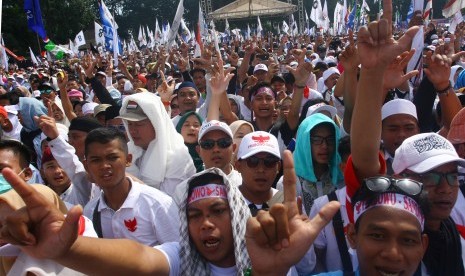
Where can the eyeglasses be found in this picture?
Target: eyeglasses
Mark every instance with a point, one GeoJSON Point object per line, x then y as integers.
{"type": "Point", "coordinates": [210, 143]}
{"type": "Point", "coordinates": [118, 127]}
{"type": "Point", "coordinates": [269, 162]}
{"type": "Point", "coordinates": [381, 184]}
{"type": "Point", "coordinates": [434, 178]}
{"type": "Point", "coordinates": [318, 140]}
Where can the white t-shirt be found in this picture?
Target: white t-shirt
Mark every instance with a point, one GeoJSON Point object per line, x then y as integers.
{"type": "Point", "coordinates": [327, 238]}
{"type": "Point", "coordinates": [147, 215]}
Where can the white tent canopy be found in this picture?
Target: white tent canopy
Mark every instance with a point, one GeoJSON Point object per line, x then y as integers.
{"type": "Point", "coordinates": [253, 8]}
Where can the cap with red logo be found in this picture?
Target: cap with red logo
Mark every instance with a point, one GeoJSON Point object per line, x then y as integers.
{"type": "Point", "coordinates": [256, 142]}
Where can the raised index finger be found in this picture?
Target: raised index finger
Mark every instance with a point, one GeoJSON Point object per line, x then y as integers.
{"type": "Point", "coordinates": [387, 11]}
{"type": "Point", "coordinates": [289, 178]}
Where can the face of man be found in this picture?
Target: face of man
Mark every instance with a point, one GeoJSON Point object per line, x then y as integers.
{"type": "Point", "coordinates": [9, 160]}
{"type": "Point", "coordinates": [72, 85]}
{"type": "Point", "coordinates": [278, 86]}
{"type": "Point", "coordinates": [55, 177]}
{"type": "Point", "coordinates": [199, 80]}
{"type": "Point", "coordinates": [121, 83]}
{"type": "Point", "coordinates": [395, 129]}
{"type": "Point", "coordinates": [210, 230]}
{"type": "Point", "coordinates": [323, 143]}
{"type": "Point", "coordinates": [260, 75]}
{"type": "Point", "coordinates": [263, 105]}
{"type": "Point", "coordinates": [258, 173]}
{"type": "Point", "coordinates": [388, 242]}
{"type": "Point", "coordinates": [331, 81]}
{"type": "Point", "coordinates": [141, 132]}
{"type": "Point", "coordinates": [188, 99]}
{"type": "Point", "coordinates": [76, 139]}
{"type": "Point", "coordinates": [218, 156]}
{"type": "Point", "coordinates": [106, 164]}
{"type": "Point", "coordinates": [441, 185]}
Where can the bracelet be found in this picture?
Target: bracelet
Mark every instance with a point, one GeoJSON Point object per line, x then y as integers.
{"type": "Point", "coordinates": [445, 91]}
{"type": "Point", "coordinates": [166, 103]}
{"type": "Point", "coordinates": [300, 86]}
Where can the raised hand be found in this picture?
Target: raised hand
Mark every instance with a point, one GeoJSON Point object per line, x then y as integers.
{"type": "Point", "coordinates": [377, 43]}
{"type": "Point", "coordinates": [394, 75]}
{"type": "Point", "coordinates": [349, 56]}
{"type": "Point", "coordinates": [220, 80]}
{"type": "Point", "coordinates": [438, 67]}
{"type": "Point", "coordinates": [62, 81]}
{"type": "Point", "coordinates": [278, 239]}
{"type": "Point", "coordinates": [303, 71]}
{"type": "Point", "coordinates": [47, 123]}
{"type": "Point", "coordinates": [165, 90]}
{"type": "Point", "coordinates": [42, 231]}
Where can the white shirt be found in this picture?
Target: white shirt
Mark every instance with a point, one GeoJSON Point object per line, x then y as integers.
{"type": "Point", "coordinates": [147, 216]}
{"type": "Point", "coordinates": [327, 239]}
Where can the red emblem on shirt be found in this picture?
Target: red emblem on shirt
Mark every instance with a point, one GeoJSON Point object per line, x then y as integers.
{"type": "Point", "coordinates": [261, 139]}
{"type": "Point", "coordinates": [131, 224]}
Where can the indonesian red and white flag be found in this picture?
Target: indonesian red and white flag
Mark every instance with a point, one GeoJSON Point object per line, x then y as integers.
{"type": "Point", "coordinates": [452, 7]}
{"type": "Point", "coordinates": [428, 9]}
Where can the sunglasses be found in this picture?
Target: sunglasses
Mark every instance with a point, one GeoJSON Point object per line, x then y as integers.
{"type": "Point", "coordinates": [46, 91]}
{"type": "Point", "coordinates": [210, 143]}
{"type": "Point", "coordinates": [380, 184]}
{"type": "Point", "coordinates": [269, 162]}
{"type": "Point", "coordinates": [318, 140]}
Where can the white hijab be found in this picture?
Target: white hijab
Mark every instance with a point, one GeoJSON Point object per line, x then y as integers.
{"type": "Point", "coordinates": [166, 162]}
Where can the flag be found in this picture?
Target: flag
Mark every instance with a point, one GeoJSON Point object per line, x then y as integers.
{"type": "Point", "coordinates": [415, 5]}
{"type": "Point", "coordinates": [456, 20]}
{"type": "Point", "coordinates": [109, 25]}
{"type": "Point", "coordinates": [338, 19]}
{"type": "Point", "coordinates": [158, 34]}
{"type": "Point", "coordinates": [57, 50]}
{"type": "Point", "coordinates": [365, 6]}
{"type": "Point", "coordinates": [79, 40]}
{"type": "Point", "coordinates": [226, 28]}
{"type": "Point", "coordinates": [34, 18]}
{"type": "Point", "coordinates": [317, 13]}
{"type": "Point", "coordinates": [259, 27]}
{"type": "Point", "coordinates": [415, 62]}
{"type": "Point", "coordinates": [176, 22]}
{"type": "Point", "coordinates": [4, 57]}
{"type": "Point", "coordinates": [307, 23]}
{"type": "Point", "coordinates": [72, 48]}
{"type": "Point", "coordinates": [185, 33]}
{"type": "Point", "coordinates": [285, 27]}
{"type": "Point", "coordinates": [452, 7]}
{"type": "Point", "coordinates": [247, 34]}
{"type": "Point", "coordinates": [99, 38]}
{"type": "Point", "coordinates": [33, 58]}
{"type": "Point", "coordinates": [325, 17]}
{"type": "Point", "coordinates": [351, 20]}
{"type": "Point", "coordinates": [428, 9]}
{"type": "Point", "coordinates": [202, 23]}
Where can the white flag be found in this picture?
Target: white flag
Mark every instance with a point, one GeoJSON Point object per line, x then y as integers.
{"type": "Point", "coordinates": [226, 28]}
{"type": "Point", "coordinates": [4, 57]}
{"type": "Point", "coordinates": [285, 27]}
{"type": "Point", "coordinates": [33, 58]}
{"type": "Point", "coordinates": [176, 22]}
{"type": "Point", "coordinates": [72, 47]}
{"type": "Point", "coordinates": [325, 17]}
{"type": "Point", "coordinates": [99, 38]}
{"type": "Point", "coordinates": [316, 13]}
{"type": "Point", "coordinates": [79, 40]}
{"type": "Point", "coordinates": [247, 35]}
{"type": "Point", "coordinates": [185, 33]}
{"type": "Point", "coordinates": [259, 27]}
{"type": "Point", "coordinates": [415, 62]}
{"type": "Point", "coordinates": [157, 32]}
{"type": "Point", "coordinates": [456, 20]}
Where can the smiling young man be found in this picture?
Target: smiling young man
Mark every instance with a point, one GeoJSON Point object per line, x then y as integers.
{"type": "Point", "coordinates": [125, 208]}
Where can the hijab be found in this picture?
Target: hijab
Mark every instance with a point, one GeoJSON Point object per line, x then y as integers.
{"type": "Point", "coordinates": [198, 163]}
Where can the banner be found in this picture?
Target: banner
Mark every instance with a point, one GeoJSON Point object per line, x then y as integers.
{"type": "Point", "coordinates": [176, 22]}
{"type": "Point", "coordinates": [109, 26]}
{"type": "Point", "coordinates": [79, 40]}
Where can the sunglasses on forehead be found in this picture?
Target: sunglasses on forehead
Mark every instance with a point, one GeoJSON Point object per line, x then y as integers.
{"type": "Point", "coordinates": [380, 184]}
{"type": "Point", "coordinates": [210, 143]}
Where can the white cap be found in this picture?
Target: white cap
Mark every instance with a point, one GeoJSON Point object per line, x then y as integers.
{"type": "Point", "coordinates": [330, 59]}
{"type": "Point", "coordinates": [319, 107]}
{"type": "Point", "coordinates": [36, 93]}
{"type": "Point", "coordinates": [329, 72]}
{"type": "Point", "coordinates": [434, 36]}
{"type": "Point", "coordinates": [88, 108]}
{"type": "Point", "coordinates": [398, 106]}
{"type": "Point", "coordinates": [256, 142]}
{"type": "Point", "coordinates": [294, 64]}
{"type": "Point", "coordinates": [424, 152]}
{"type": "Point", "coordinates": [214, 125]}
{"type": "Point", "coordinates": [13, 109]}
{"type": "Point", "coordinates": [128, 86]}
{"type": "Point", "coordinates": [260, 67]}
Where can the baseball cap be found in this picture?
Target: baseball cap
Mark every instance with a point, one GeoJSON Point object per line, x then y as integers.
{"type": "Point", "coordinates": [398, 106]}
{"type": "Point", "coordinates": [424, 152]}
{"type": "Point", "coordinates": [214, 125]}
{"type": "Point", "coordinates": [75, 93]}
{"type": "Point", "coordinates": [101, 73]}
{"type": "Point", "coordinates": [260, 67]}
{"type": "Point", "coordinates": [456, 133]}
{"type": "Point", "coordinates": [46, 88]}
{"type": "Point", "coordinates": [142, 78]}
{"type": "Point", "coordinates": [256, 142]}
{"type": "Point", "coordinates": [319, 107]}
{"type": "Point", "coordinates": [133, 112]}
{"type": "Point", "coordinates": [100, 108]}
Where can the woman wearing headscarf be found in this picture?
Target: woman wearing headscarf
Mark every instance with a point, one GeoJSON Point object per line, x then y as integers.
{"type": "Point", "coordinates": [239, 129]}
{"type": "Point", "coordinates": [30, 133]}
{"type": "Point", "coordinates": [59, 113]}
{"type": "Point", "coordinates": [316, 159]}
{"type": "Point", "coordinates": [164, 161]}
{"type": "Point", "coordinates": [189, 127]}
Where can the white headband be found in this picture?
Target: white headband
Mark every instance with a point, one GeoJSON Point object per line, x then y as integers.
{"type": "Point", "coordinates": [207, 191]}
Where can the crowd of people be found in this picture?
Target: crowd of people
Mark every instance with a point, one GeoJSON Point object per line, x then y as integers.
{"type": "Point", "coordinates": [296, 155]}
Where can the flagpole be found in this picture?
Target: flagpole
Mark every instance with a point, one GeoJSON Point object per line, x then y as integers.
{"type": "Point", "coordinates": [38, 42]}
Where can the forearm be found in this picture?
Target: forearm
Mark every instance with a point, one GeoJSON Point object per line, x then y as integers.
{"type": "Point", "coordinates": [349, 94]}
{"type": "Point", "coordinates": [293, 116]}
{"type": "Point", "coordinates": [242, 71]}
{"type": "Point", "coordinates": [102, 93]}
{"type": "Point", "coordinates": [450, 106]}
{"type": "Point", "coordinates": [114, 257]}
{"type": "Point", "coordinates": [366, 123]}
{"type": "Point", "coordinates": [225, 109]}
{"type": "Point", "coordinates": [67, 106]}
